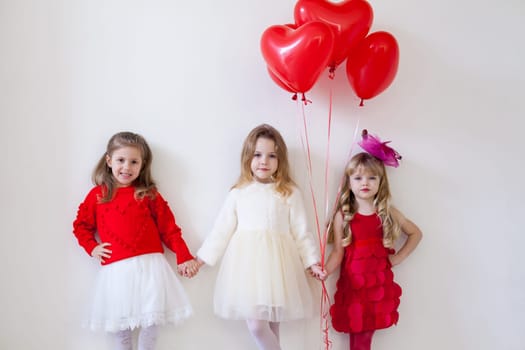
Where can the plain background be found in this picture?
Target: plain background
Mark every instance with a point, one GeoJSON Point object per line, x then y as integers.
{"type": "Point", "coordinates": [189, 76]}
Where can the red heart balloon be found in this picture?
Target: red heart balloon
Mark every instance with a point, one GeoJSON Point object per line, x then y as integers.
{"type": "Point", "coordinates": [349, 20]}
{"type": "Point", "coordinates": [278, 81]}
{"type": "Point", "coordinates": [297, 57]}
{"type": "Point", "coordinates": [372, 66]}
{"type": "Point", "coordinates": [276, 78]}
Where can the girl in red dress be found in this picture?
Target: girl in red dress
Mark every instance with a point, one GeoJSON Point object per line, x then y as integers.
{"type": "Point", "coordinates": [124, 222]}
{"type": "Point", "coordinates": [363, 229]}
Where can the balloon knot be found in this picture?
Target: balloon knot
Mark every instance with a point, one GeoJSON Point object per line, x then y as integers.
{"type": "Point", "coordinates": [294, 97]}
{"type": "Point", "coordinates": [361, 104]}
{"type": "Point", "coordinates": [305, 100]}
{"type": "Point", "coordinates": [331, 72]}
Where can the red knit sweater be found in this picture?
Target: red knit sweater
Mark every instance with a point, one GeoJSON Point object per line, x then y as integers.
{"type": "Point", "coordinates": [133, 227]}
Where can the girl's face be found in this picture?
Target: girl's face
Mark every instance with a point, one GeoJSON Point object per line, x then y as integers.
{"type": "Point", "coordinates": [364, 185]}
{"type": "Point", "coordinates": [264, 162]}
{"type": "Point", "coordinates": [125, 164]}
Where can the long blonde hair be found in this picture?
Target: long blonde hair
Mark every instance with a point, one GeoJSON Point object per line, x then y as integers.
{"type": "Point", "coordinates": [283, 182]}
{"type": "Point", "coordinates": [102, 175]}
{"type": "Point", "coordinates": [348, 205]}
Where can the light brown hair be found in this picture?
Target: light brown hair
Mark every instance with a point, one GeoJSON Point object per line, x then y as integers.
{"type": "Point", "coordinates": [102, 175]}
{"type": "Point", "coordinates": [283, 182]}
{"type": "Point", "coordinates": [347, 204]}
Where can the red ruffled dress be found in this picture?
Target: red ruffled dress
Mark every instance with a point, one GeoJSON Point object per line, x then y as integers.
{"type": "Point", "coordinates": [367, 296]}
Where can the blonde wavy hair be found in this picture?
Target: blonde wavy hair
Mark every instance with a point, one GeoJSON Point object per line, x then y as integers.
{"type": "Point", "coordinates": [347, 205]}
{"type": "Point", "coordinates": [102, 175]}
{"type": "Point", "coordinates": [283, 182]}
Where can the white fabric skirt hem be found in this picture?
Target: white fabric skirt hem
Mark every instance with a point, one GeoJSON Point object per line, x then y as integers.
{"type": "Point", "coordinates": [157, 319]}
{"type": "Point", "coordinates": [262, 278]}
{"type": "Point", "coordinates": [264, 313]}
{"type": "Point", "coordinates": [137, 292]}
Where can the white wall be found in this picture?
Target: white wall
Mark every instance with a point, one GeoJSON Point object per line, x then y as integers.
{"type": "Point", "coordinates": [189, 76]}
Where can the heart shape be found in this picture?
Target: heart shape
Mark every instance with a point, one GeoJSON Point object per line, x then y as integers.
{"type": "Point", "coordinates": [349, 20]}
{"type": "Point", "coordinates": [297, 57]}
{"type": "Point", "coordinates": [373, 64]}
{"type": "Point", "coordinates": [278, 81]}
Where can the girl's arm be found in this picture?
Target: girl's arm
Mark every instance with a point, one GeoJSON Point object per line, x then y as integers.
{"type": "Point", "coordinates": [337, 253]}
{"type": "Point", "coordinates": [304, 239]}
{"type": "Point", "coordinates": [171, 235]}
{"type": "Point", "coordinates": [170, 232]}
{"type": "Point", "coordinates": [225, 225]}
{"type": "Point", "coordinates": [413, 233]}
{"type": "Point", "coordinates": [85, 224]}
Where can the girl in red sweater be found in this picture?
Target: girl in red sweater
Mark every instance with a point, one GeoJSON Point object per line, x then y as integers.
{"type": "Point", "coordinates": [123, 222]}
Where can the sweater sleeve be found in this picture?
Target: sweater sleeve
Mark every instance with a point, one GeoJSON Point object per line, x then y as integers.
{"type": "Point", "coordinates": [170, 233]}
{"type": "Point", "coordinates": [225, 224]}
{"type": "Point", "coordinates": [303, 238]}
{"type": "Point", "coordinates": [85, 224]}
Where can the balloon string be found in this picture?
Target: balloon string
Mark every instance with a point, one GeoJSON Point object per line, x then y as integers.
{"type": "Point", "coordinates": [305, 142]}
{"type": "Point", "coordinates": [325, 302]}
{"type": "Point", "coordinates": [326, 173]}
{"type": "Point", "coordinates": [306, 147]}
{"type": "Point", "coordinates": [325, 312]}
{"type": "Point", "coordinates": [341, 181]}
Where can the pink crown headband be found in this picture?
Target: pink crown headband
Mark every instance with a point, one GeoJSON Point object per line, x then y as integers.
{"type": "Point", "coordinates": [379, 149]}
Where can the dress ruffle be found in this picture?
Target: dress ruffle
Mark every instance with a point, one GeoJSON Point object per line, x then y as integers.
{"type": "Point", "coordinates": [262, 278]}
{"type": "Point", "coordinates": [137, 292]}
{"type": "Point", "coordinates": [367, 297]}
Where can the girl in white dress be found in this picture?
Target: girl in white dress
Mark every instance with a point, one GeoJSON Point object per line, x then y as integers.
{"type": "Point", "coordinates": [263, 234]}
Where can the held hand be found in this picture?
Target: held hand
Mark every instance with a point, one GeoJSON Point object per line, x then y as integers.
{"type": "Point", "coordinates": [188, 268]}
{"type": "Point", "coordinates": [200, 263]}
{"type": "Point", "coordinates": [100, 252]}
{"type": "Point", "coordinates": [181, 269]}
{"type": "Point", "coordinates": [317, 271]}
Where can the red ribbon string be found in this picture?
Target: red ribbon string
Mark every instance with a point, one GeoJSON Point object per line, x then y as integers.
{"type": "Point", "coordinates": [325, 312]}
{"type": "Point", "coordinates": [338, 195]}
{"type": "Point", "coordinates": [309, 172]}
{"type": "Point", "coordinates": [326, 172]}
{"type": "Point", "coordinates": [325, 300]}
{"type": "Point", "coordinates": [305, 142]}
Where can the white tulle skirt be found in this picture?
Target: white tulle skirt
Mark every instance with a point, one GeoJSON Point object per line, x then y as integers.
{"type": "Point", "coordinates": [262, 278]}
{"type": "Point", "coordinates": [137, 292]}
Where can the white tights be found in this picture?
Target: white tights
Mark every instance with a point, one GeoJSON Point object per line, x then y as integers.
{"type": "Point", "coordinates": [266, 334]}
{"type": "Point", "coordinates": [146, 341]}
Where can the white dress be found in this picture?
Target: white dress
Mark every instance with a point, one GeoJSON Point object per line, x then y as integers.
{"type": "Point", "coordinates": [267, 248]}
{"type": "Point", "coordinates": [137, 292]}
